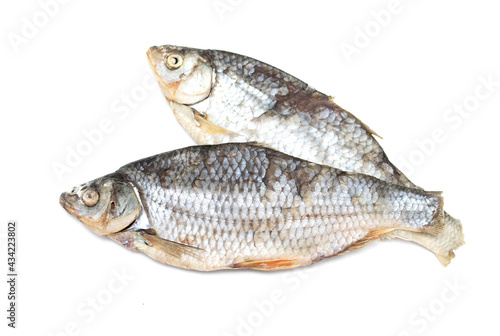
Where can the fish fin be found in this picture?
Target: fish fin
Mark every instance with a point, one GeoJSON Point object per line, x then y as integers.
{"type": "Point", "coordinates": [372, 235]}
{"type": "Point", "coordinates": [371, 131]}
{"type": "Point", "coordinates": [437, 224]}
{"type": "Point", "coordinates": [442, 244]}
{"type": "Point", "coordinates": [208, 125]}
{"type": "Point", "coordinates": [160, 249]}
{"type": "Point", "coordinates": [368, 129]}
{"type": "Point", "coordinates": [445, 260]}
{"type": "Point", "coordinates": [172, 248]}
{"type": "Point", "coordinates": [127, 239]}
{"type": "Point", "coordinates": [258, 144]}
{"type": "Point", "coordinates": [269, 264]}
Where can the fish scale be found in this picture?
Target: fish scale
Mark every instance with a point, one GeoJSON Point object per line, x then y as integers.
{"type": "Point", "coordinates": [228, 97]}
{"type": "Point", "coordinates": [290, 210]}
{"type": "Point", "coordinates": [226, 100]}
{"type": "Point", "coordinates": [239, 205]}
{"type": "Point", "coordinates": [252, 107]}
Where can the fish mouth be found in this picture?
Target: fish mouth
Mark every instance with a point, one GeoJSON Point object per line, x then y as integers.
{"type": "Point", "coordinates": [155, 56]}
{"type": "Point", "coordinates": [66, 200]}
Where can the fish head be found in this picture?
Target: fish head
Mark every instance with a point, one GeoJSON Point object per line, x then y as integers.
{"type": "Point", "coordinates": [105, 205]}
{"type": "Point", "coordinates": [184, 74]}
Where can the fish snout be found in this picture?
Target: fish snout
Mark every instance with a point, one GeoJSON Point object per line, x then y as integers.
{"type": "Point", "coordinates": [154, 50]}
{"type": "Point", "coordinates": [68, 200]}
{"type": "Point", "coordinates": [154, 55]}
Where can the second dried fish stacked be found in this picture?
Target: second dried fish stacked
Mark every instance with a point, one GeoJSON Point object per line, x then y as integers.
{"type": "Point", "coordinates": [223, 97]}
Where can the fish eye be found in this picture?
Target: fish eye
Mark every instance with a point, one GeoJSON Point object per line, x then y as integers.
{"type": "Point", "coordinates": [90, 197]}
{"type": "Point", "coordinates": [174, 61]}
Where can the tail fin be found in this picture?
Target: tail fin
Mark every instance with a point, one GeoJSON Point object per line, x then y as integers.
{"type": "Point", "coordinates": [442, 244]}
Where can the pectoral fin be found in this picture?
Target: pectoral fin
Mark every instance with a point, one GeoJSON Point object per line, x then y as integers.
{"type": "Point", "coordinates": [203, 130]}
{"type": "Point", "coordinates": [209, 126]}
{"type": "Point", "coordinates": [162, 250]}
{"type": "Point", "coordinates": [171, 248]}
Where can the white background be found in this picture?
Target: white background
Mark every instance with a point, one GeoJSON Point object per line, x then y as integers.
{"type": "Point", "coordinates": [72, 74]}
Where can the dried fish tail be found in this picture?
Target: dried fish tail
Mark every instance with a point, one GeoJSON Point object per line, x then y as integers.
{"type": "Point", "coordinates": [442, 244]}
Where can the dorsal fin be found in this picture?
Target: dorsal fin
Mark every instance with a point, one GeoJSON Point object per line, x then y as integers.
{"type": "Point", "coordinates": [365, 126]}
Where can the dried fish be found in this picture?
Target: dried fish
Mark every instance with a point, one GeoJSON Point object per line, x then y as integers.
{"type": "Point", "coordinates": [244, 206]}
{"type": "Point", "coordinates": [221, 97]}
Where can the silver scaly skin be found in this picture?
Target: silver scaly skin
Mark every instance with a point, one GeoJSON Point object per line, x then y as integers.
{"type": "Point", "coordinates": [221, 97]}
{"type": "Point", "coordinates": [252, 101]}
{"type": "Point", "coordinates": [243, 206]}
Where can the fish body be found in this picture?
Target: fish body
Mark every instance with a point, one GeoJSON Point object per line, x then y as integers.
{"type": "Point", "coordinates": [248, 100]}
{"type": "Point", "coordinates": [236, 206]}
{"type": "Point", "coordinates": [240, 99]}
